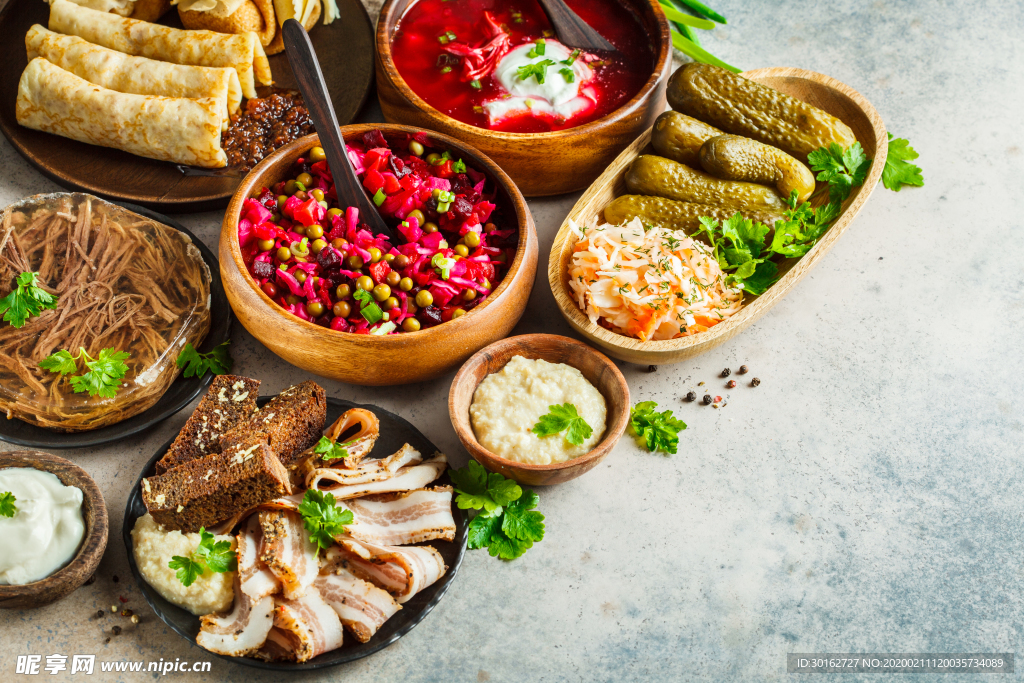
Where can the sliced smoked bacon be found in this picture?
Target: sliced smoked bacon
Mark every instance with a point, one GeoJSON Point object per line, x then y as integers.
{"type": "Point", "coordinates": [311, 625]}
{"type": "Point", "coordinates": [403, 518]}
{"type": "Point", "coordinates": [241, 631]}
{"type": "Point", "coordinates": [403, 479]}
{"type": "Point", "coordinates": [369, 471]}
{"type": "Point", "coordinates": [363, 607]}
{"type": "Point", "coordinates": [288, 552]}
{"type": "Point", "coordinates": [401, 571]}
{"type": "Point", "coordinates": [255, 578]}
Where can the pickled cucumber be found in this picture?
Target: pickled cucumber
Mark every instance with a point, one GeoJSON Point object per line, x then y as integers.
{"type": "Point", "coordinates": [661, 177]}
{"type": "Point", "coordinates": [734, 157]}
{"type": "Point", "coordinates": [678, 137]}
{"type": "Point", "coordinates": [742, 107]}
{"type": "Point", "coordinates": [667, 213]}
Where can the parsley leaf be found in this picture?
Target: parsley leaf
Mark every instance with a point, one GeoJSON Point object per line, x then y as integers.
{"type": "Point", "coordinates": [842, 169]}
{"type": "Point", "coordinates": [61, 362]}
{"type": "Point", "coordinates": [26, 299]}
{"type": "Point", "coordinates": [538, 70]}
{"type": "Point", "coordinates": [521, 521]}
{"type": "Point", "coordinates": [478, 488]}
{"type": "Point", "coordinates": [103, 374]}
{"type": "Point", "coordinates": [323, 518]}
{"type": "Point", "coordinates": [509, 525]}
{"type": "Point", "coordinates": [217, 555]}
{"type": "Point", "coordinates": [195, 364]}
{"type": "Point", "coordinates": [481, 528]}
{"type": "Point", "coordinates": [898, 172]}
{"type": "Point", "coordinates": [329, 450]}
{"type": "Point", "coordinates": [657, 431]}
{"type": "Point", "coordinates": [563, 417]}
{"type": "Point", "coordinates": [7, 506]}
{"type": "Point", "coordinates": [188, 569]}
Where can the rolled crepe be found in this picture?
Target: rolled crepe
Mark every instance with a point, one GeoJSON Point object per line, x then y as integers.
{"type": "Point", "coordinates": [242, 52]}
{"type": "Point", "coordinates": [176, 129]}
{"type": "Point", "coordinates": [136, 75]}
{"type": "Point", "coordinates": [230, 16]}
{"type": "Point", "coordinates": [143, 10]}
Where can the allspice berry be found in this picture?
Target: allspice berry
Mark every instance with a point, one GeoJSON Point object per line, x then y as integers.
{"type": "Point", "coordinates": [754, 382]}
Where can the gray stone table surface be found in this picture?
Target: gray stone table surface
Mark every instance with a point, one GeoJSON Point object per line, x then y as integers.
{"type": "Point", "coordinates": [866, 497]}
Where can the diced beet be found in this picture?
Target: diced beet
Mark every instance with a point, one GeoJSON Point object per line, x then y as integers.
{"type": "Point", "coordinates": [262, 269]}
{"type": "Point", "coordinates": [461, 183]}
{"type": "Point", "coordinates": [430, 316]}
{"type": "Point", "coordinates": [462, 208]}
{"type": "Point", "coordinates": [398, 167]}
{"type": "Point", "coordinates": [328, 258]}
{"type": "Point", "coordinates": [374, 138]}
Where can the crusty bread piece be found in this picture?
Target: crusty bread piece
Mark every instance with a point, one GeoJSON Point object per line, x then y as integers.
{"type": "Point", "coordinates": [230, 400]}
{"type": "Point", "coordinates": [292, 422]}
{"type": "Point", "coordinates": [203, 492]}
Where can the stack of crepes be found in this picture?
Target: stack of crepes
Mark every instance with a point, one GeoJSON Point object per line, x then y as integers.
{"type": "Point", "coordinates": [292, 602]}
{"type": "Point", "coordinates": [147, 89]}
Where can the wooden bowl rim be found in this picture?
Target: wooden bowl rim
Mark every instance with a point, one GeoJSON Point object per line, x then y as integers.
{"type": "Point", "coordinates": [663, 57]}
{"type": "Point", "coordinates": [94, 529]}
{"type": "Point", "coordinates": [564, 241]}
{"type": "Point", "coordinates": [612, 433]}
{"type": "Point", "coordinates": [524, 223]}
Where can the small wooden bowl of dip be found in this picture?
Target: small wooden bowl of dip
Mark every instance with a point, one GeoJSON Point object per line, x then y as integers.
{"type": "Point", "coordinates": [83, 565]}
{"type": "Point", "coordinates": [596, 368]}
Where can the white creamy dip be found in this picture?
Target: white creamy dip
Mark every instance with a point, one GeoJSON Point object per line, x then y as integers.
{"type": "Point", "coordinates": [46, 529]}
{"type": "Point", "coordinates": [508, 403]}
{"type": "Point", "coordinates": [555, 97]}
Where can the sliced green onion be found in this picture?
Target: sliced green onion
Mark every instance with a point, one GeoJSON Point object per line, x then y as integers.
{"type": "Point", "coordinates": [568, 74]}
{"type": "Point", "coordinates": [460, 166]}
{"type": "Point", "coordinates": [446, 70]}
{"type": "Point", "coordinates": [688, 33]}
{"type": "Point", "coordinates": [678, 17]}
{"type": "Point", "coordinates": [383, 329]}
{"type": "Point", "coordinates": [379, 197]}
{"type": "Point", "coordinates": [703, 10]}
{"type": "Point", "coordinates": [689, 48]}
{"type": "Point", "coordinates": [476, 84]}
{"type": "Point", "coordinates": [572, 58]}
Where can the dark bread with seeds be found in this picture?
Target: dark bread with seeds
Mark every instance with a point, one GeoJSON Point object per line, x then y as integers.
{"type": "Point", "coordinates": [205, 491]}
{"type": "Point", "coordinates": [290, 423]}
{"type": "Point", "coordinates": [231, 399]}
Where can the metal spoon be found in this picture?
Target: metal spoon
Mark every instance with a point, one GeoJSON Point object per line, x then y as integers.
{"type": "Point", "coordinates": [314, 92]}
{"type": "Point", "coordinates": [571, 29]}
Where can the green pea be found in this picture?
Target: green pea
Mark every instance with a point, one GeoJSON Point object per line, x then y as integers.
{"type": "Point", "coordinates": [411, 325]}
{"type": "Point", "coordinates": [317, 246]}
{"type": "Point", "coordinates": [472, 239]}
{"type": "Point", "coordinates": [460, 249]}
{"type": "Point", "coordinates": [314, 232]}
{"type": "Point", "coordinates": [292, 299]}
{"type": "Point", "coordinates": [305, 179]}
{"type": "Point", "coordinates": [266, 245]}
{"type": "Point", "coordinates": [418, 215]}
{"type": "Point", "coordinates": [317, 154]}
{"type": "Point", "coordinates": [317, 194]}
{"type": "Point", "coordinates": [469, 295]}
{"type": "Point", "coordinates": [389, 303]}
{"type": "Point", "coordinates": [284, 253]}
{"type": "Point", "coordinates": [401, 261]}
{"type": "Point", "coordinates": [433, 158]}
{"type": "Point", "coordinates": [393, 278]}
{"type": "Point", "coordinates": [416, 148]}
{"type": "Point", "coordinates": [281, 201]}
{"type": "Point", "coordinates": [354, 262]}
{"type": "Point", "coordinates": [315, 309]}
{"type": "Point", "coordinates": [381, 292]}
{"type": "Point", "coordinates": [365, 282]}
{"type": "Point", "coordinates": [405, 284]}
{"type": "Point", "coordinates": [375, 254]}
{"type": "Point", "coordinates": [343, 292]}
{"type": "Point", "coordinates": [430, 227]}
{"type": "Point", "coordinates": [334, 212]}
{"type": "Point", "coordinates": [424, 298]}
{"type": "Point", "coordinates": [290, 188]}
{"type": "Point", "coordinates": [342, 309]}
{"type": "Point", "coordinates": [458, 313]}
{"type": "Point", "coordinates": [389, 258]}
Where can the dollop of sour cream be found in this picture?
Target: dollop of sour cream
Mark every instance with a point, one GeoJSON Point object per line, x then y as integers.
{"type": "Point", "coordinates": [46, 529]}
{"type": "Point", "coordinates": [557, 97]}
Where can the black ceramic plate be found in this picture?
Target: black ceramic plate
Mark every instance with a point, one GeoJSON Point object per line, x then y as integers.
{"type": "Point", "coordinates": [181, 392]}
{"type": "Point", "coordinates": [394, 431]}
{"type": "Point", "coordinates": [345, 49]}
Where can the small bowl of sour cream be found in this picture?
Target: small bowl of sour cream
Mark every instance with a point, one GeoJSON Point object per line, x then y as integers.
{"type": "Point", "coordinates": [539, 408]}
{"type": "Point", "coordinates": [53, 528]}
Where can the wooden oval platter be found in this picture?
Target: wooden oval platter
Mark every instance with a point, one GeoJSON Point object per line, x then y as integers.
{"type": "Point", "coordinates": [824, 92]}
{"type": "Point", "coordinates": [394, 431]}
{"type": "Point", "coordinates": [345, 50]}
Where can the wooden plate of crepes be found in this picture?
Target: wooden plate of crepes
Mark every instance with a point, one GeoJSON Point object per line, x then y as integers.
{"type": "Point", "coordinates": [155, 98]}
{"type": "Point", "coordinates": [374, 583]}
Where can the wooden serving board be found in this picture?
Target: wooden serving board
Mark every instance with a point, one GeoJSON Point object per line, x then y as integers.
{"type": "Point", "coordinates": [345, 51]}
{"type": "Point", "coordinates": [824, 92]}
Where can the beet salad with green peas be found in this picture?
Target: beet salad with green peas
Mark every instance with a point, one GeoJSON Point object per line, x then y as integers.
{"type": "Point", "coordinates": [320, 263]}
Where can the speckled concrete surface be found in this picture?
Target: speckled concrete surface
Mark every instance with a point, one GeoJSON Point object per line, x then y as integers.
{"type": "Point", "coordinates": [866, 497]}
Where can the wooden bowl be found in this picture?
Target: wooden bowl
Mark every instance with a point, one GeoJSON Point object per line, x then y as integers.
{"type": "Point", "coordinates": [540, 163]}
{"type": "Point", "coordinates": [389, 359]}
{"type": "Point", "coordinates": [595, 366]}
{"type": "Point", "coordinates": [83, 565]}
{"type": "Point", "coordinates": [826, 93]}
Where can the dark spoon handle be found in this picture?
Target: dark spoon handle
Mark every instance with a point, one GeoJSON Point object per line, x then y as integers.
{"type": "Point", "coordinates": [314, 92]}
{"type": "Point", "coordinates": [571, 29]}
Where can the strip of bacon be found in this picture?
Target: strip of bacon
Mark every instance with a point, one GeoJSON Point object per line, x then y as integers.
{"type": "Point", "coordinates": [279, 647]}
{"type": "Point", "coordinates": [257, 581]}
{"type": "Point", "coordinates": [241, 631]}
{"type": "Point", "coordinates": [370, 471]}
{"type": "Point", "coordinates": [403, 518]}
{"type": "Point", "coordinates": [405, 479]}
{"type": "Point", "coordinates": [312, 626]}
{"type": "Point", "coordinates": [363, 607]}
{"type": "Point", "coordinates": [403, 571]}
{"type": "Point", "coordinates": [288, 551]}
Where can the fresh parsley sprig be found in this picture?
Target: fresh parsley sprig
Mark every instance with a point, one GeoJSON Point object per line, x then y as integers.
{"type": "Point", "coordinates": [26, 300]}
{"type": "Point", "coordinates": [330, 450]}
{"type": "Point", "coordinates": [217, 556]}
{"type": "Point", "coordinates": [656, 431]}
{"type": "Point", "coordinates": [537, 70]}
{"type": "Point", "coordinates": [898, 171]}
{"type": "Point", "coordinates": [842, 169]}
{"type": "Point", "coordinates": [508, 525]}
{"type": "Point", "coordinates": [195, 364]}
{"type": "Point", "coordinates": [563, 418]}
{"type": "Point", "coordinates": [323, 518]}
{"type": "Point", "coordinates": [103, 373]}
{"type": "Point", "coordinates": [7, 506]}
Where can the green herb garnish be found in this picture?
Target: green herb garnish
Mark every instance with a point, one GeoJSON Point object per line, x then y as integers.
{"type": "Point", "coordinates": [476, 84]}
{"type": "Point", "coordinates": [329, 450]}
{"type": "Point", "coordinates": [563, 418]}
{"type": "Point", "coordinates": [379, 197]}
{"type": "Point", "coordinates": [568, 74]}
{"type": "Point", "coordinates": [7, 506]}
{"type": "Point", "coordinates": [656, 431]}
{"type": "Point", "coordinates": [842, 169]}
{"type": "Point", "coordinates": [367, 306]}
{"type": "Point", "coordinates": [26, 300]}
{"type": "Point", "coordinates": [508, 526]}
{"type": "Point", "coordinates": [103, 372]}
{"type": "Point", "coordinates": [195, 364]}
{"type": "Point", "coordinates": [538, 70]}
{"type": "Point", "coordinates": [898, 172]}
{"type": "Point", "coordinates": [538, 49]}
{"type": "Point", "coordinates": [323, 518]}
{"type": "Point", "coordinates": [446, 37]}
{"type": "Point", "coordinates": [459, 166]}
{"type": "Point", "coordinates": [572, 58]}
{"type": "Point", "coordinates": [217, 556]}
{"type": "Point", "coordinates": [442, 265]}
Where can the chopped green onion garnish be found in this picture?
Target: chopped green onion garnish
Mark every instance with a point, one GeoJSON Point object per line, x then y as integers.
{"type": "Point", "coordinates": [383, 329]}
{"type": "Point", "coordinates": [572, 58]}
{"type": "Point", "coordinates": [568, 74]}
{"type": "Point", "coordinates": [442, 265]}
{"type": "Point", "coordinates": [379, 197]}
{"type": "Point", "coordinates": [300, 186]}
{"type": "Point", "coordinates": [446, 70]}
{"type": "Point", "coordinates": [476, 84]}
{"type": "Point", "coordinates": [368, 307]}
{"type": "Point", "coordinates": [460, 166]}
{"type": "Point", "coordinates": [446, 37]}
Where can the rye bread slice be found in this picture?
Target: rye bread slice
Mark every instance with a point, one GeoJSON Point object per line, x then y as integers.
{"type": "Point", "coordinates": [231, 399]}
{"type": "Point", "coordinates": [290, 423]}
{"type": "Point", "coordinates": [205, 491]}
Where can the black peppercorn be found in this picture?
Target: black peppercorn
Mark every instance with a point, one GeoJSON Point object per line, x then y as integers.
{"type": "Point", "coordinates": [726, 372]}
{"type": "Point", "coordinates": [115, 578]}
{"type": "Point", "coordinates": [652, 368]}
{"type": "Point", "coordinates": [707, 399]}
{"type": "Point", "coordinates": [116, 630]}
{"type": "Point", "coordinates": [691, 396]}
{"type": "Point", "coordinates": [100, 614]}
{"type": "Point", "coordinates": [126, 613]}
{"type": "Point", "coordinates": [743, 370]}
{"type": "Point", "coordinates": [754, 382]}
{"type": "Point", "coordinates": [731, 384]}
{"type": "Point", "coordinates": [106, 640]}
